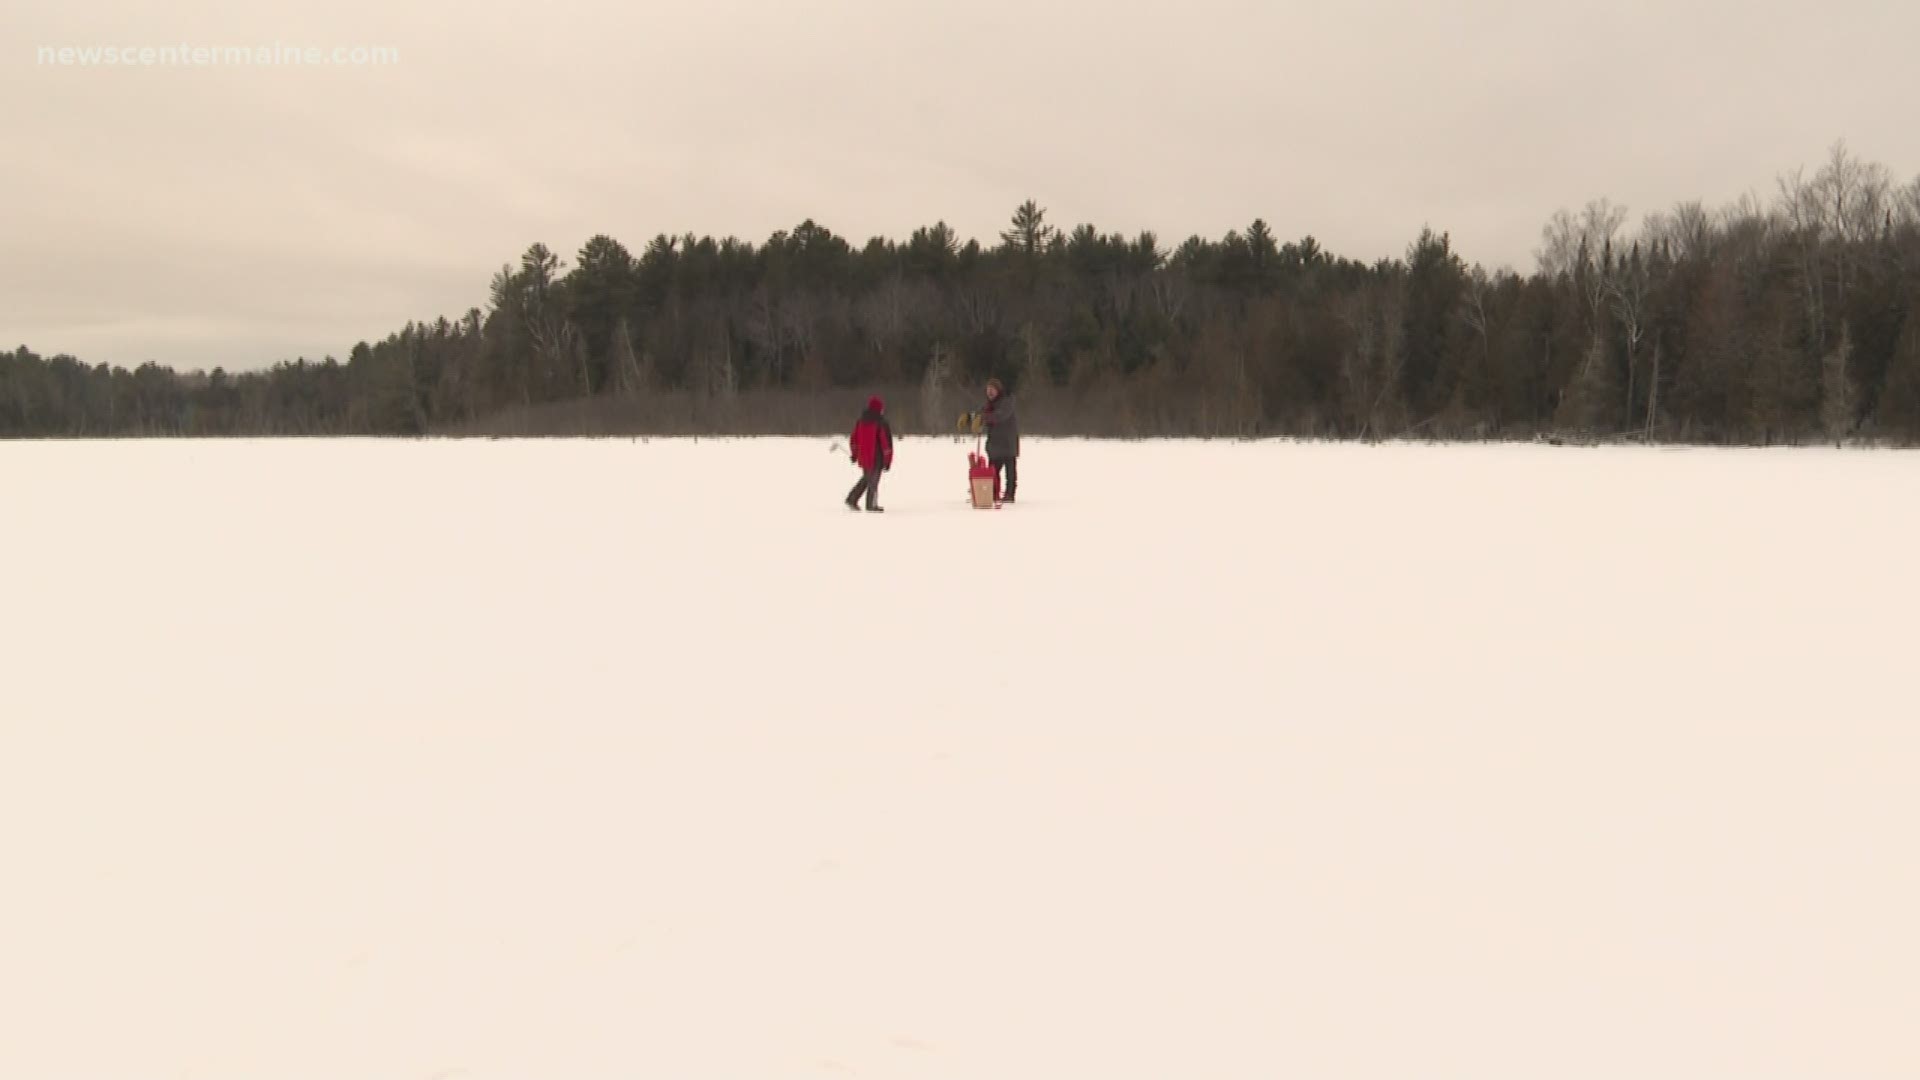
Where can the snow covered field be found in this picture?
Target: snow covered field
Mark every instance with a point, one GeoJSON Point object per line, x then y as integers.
{"type": "Point", "coordinates": [593, 759]}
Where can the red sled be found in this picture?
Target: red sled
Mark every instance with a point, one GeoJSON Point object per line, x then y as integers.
{"type": "Point", "coordinates": [983, 482]}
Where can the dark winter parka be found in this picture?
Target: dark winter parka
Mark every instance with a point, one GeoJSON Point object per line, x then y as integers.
{"type": "Point", "coordinates": [1003, 428]}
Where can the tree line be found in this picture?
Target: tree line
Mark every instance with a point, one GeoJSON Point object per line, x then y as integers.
{"type": "Point", "coordinates": [1789, 318]}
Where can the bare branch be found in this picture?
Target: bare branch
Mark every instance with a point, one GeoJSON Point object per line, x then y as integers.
{"type": "Point", "coordinates": [1569, 240]}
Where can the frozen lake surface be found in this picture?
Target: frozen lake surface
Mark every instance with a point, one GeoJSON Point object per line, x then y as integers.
{"type": "Point", "coordinates": [649, 759]}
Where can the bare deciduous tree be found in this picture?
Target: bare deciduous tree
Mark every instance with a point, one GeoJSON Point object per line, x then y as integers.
{"type": "Point", "coordinates": [1687, 231]}
{"type": "Point", "coordinates": [1837, 394]}
{"type": "Point", "coordinates": [1628, 290]}
{"type": "Point", "coordinates": [629, 379]}
{"type": "Point", "coordinates": [1034, 376]}
{"type": "Point", "coordinates": [1570, 240]}
{"type": "Point", "coordinates": [1473, 311]}
{"type": "Point", "coordinates": [1846, 204]}
{"type": "Point", "coordinates": [1375, 318]}
{"type": "Point", "coordinates": [936, 388]}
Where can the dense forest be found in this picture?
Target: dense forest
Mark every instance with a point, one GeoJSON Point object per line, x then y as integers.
{"type": "Point", "coordinates": [1786, 319]}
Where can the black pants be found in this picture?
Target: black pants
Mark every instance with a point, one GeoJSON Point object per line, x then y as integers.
{"type": "Point", "coordinates": [1007, 470]}
{"type": "Point", "coordinates": [869, 486]}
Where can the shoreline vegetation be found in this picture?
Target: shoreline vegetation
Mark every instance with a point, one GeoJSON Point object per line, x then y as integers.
{"type": "Point", "coordinates": [1787, 320]}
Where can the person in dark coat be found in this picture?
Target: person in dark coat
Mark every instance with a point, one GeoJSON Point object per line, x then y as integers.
{"type": "Point", "coordinates": [872, 444]}
{"type": "Point", "coordinates": [1003, 437]}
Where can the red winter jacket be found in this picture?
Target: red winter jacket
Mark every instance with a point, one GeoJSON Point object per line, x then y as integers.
{"type": "Point", "coordinates": [873, 438]}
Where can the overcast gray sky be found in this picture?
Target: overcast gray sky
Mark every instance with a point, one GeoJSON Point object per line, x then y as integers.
{"type": "Point", "coordinates": [236, 216]}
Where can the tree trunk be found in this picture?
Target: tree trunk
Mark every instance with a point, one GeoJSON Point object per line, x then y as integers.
{"type": "Point", "coordinates": [1653, 392]}
{"type": "Point", "coordinates": [1627, 420]}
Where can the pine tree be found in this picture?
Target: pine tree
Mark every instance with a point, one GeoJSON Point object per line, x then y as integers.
{"type": "Point", "coordinates": [1030, 235]}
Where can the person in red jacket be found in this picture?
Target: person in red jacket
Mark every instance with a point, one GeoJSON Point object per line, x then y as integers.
{"type": "Point", "coordinates": [872, 444]}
